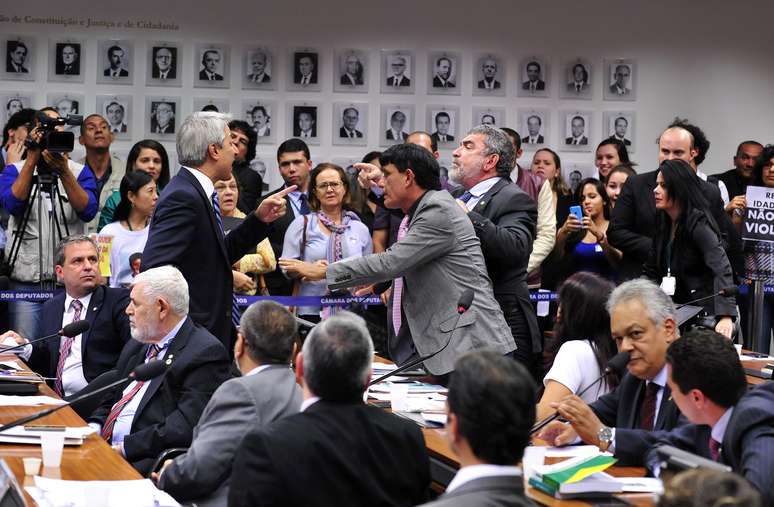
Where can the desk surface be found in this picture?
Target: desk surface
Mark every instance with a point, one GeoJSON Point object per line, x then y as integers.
{"type": "Point", "coordinates": [94, 460]}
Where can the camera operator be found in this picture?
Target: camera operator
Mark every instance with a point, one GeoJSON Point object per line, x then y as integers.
{"type": "Point", "coordinates": [76, 205]}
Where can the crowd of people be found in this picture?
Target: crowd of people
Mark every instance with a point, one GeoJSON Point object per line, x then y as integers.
{"type": "Point", "coordinates": [153, 262]}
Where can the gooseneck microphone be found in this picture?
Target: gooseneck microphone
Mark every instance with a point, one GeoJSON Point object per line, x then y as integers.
{"type": "Point", "coordinates": [726, 292]}
{"type": "Point", "coordinates": [616, 364]}
{"type": "Point", "coordinates": [463, 304]}
{"type": "Point", "coordinates": [145, 371]}
{"type": "Point", "coordinates": [70, 330]}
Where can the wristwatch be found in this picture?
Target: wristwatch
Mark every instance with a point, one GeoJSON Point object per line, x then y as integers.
{"type": "Point", "coordinates": [605, 437]}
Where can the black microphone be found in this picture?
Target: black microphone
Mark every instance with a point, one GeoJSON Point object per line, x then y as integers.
{"type": "Point", "coordinates": [70, 330]}
{"type": "Point", "coordinates": [463, 304]}
{"type": "Point", "coordinates": [616, 364]}
{"type": "Point", "coordinates": [726, 292]}
{"type": "Point", "coordinates": [145, 371]}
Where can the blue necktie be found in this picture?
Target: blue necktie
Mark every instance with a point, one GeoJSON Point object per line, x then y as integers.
{"type": "Point", "coordinates": [304, 207]}
{"type": "Point", "coordinates": [465, 197]}
{"type": "Point", "coordinates": [235, 313]}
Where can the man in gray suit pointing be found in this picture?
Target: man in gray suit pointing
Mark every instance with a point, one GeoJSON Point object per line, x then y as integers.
{"type": "Point", "coordinates": [436, 258]}
{"type": "Point", "coordinates": [267, 391]}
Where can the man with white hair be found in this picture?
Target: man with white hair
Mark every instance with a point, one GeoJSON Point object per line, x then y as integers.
{"type": "Point", "coordinates": [187, 227]}
{"type": "Point", "coordinates": [339, 450]}
{"type": "Point", "coordinates": [147, 417]}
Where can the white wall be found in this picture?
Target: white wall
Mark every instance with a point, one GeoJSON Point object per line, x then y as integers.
{"type": "Point", "coordinates": [709, 61]}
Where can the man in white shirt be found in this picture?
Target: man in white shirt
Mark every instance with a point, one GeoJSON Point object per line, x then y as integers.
{"type": "Point", "coordinates": [490, 408]}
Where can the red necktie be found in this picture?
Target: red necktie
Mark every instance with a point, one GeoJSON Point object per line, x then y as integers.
{"type": "Point", "coordinates": [397, 284]}
{"type": "Point", "coordinates": [64, 348]}
{"type": "Point", "coordinates": [648, 407]}
{"type": "Point", "coordinates": [714, 448]}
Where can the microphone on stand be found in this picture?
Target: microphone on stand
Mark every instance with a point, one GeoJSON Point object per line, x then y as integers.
{"type": "Point", "coordinates": [726, 292]}
{"type": "Point", "coordinates": [463, 304]}
{"type": "Point", "coordinates": [616, 364]}
{"type": "Point", "coordinates": [70, 330]}
{"type": "Point", "coordinates": [145, 371]}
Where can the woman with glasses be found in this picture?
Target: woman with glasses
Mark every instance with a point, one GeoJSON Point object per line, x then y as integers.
{"type": "Point", "coordinates": [329, 234]}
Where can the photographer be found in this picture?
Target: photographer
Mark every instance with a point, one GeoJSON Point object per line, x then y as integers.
{"type": "Point", "coordinates": [75, 205]}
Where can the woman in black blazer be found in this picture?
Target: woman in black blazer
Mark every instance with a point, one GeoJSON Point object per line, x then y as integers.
{"type": "Point", "coordinates": [687, 256]}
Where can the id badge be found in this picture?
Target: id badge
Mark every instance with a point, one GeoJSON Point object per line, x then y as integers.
{"type": "Point", "coordinates": [668, 285]}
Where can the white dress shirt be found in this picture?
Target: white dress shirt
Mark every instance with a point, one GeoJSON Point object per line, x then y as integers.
{"type": "Point", "coordinates": [719, 430]}
{"type": "Point", "coordinates": [473, 472]}
{"type": "Point", "coordinates": [478, 191]}
{"type": "Point", "coordinates": [721, 186]}
{"type": "Point", "coordinates": [308, 403]}
{"type": "Point", "coordinates": [661, 381]}
{"type": "Point", "coordinates": [72, 372]}
{"type": "Point", "coordinates": [204, 181]}
{"type": "Point", "coordinates": [256, 370]}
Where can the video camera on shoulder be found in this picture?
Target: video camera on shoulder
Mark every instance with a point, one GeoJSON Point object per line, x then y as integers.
{"type": "Point", "coordinates": [53, 140]}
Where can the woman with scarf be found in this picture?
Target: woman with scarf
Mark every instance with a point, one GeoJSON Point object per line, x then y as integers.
{"type": "Point", "coordinates": [329, 234]}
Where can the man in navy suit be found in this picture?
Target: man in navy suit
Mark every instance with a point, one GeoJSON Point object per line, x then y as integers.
{"type": "Point", "coordinates": [186, 231]}
{"type": "Point", "coordinates": [730, 425]}
{"type": "Point", "coordinates": [628, 420]}
{"type": "Point", "coordinates": [76, 361]}
{"type": "Point", "coordinates": [141, 419]}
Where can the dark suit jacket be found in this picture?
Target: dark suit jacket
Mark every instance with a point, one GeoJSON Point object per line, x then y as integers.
{"type": "Point", "coordinates": [343, 133]}
{"type": "Point", "coordinates": [583, 140]}
{"type": "Point", "coordinates": [541, 85]}
{"type": "Point", "coordinates": [620, 409]}
{"type": "Point", "coordinates": [250, 187]}
{"type": "Point", "coordinates": [525, 139]}
{"type": "Point", "coordinates": [482, 84]}
{"type": "Point", "coordinates": [265, 79]}
{"type": "Point", "coordinates": [748, 443]}
{"type": "Point", "coordinates": [121, 72]}
{"type": "Point", "coordinates": [505, 221]}
{"type": "Point", "coordinates": [437, 83]}
{"type": "Point", "coordinates": [494, 491]}
{"type": "Point", "coordinates": [168, 129]}
{"type": "Point", "coordinates": [437, 137]}
{"type": "Point", "coordinates": [734, 183]}
{"type": "Point", "coordinates": [9, 67]}
{"type": "Point", "coordinates": [277, 283]}
{"type": "Point", "coordinates": [101, 344]}
{"type": "Point", "coordinates": [346, 80]}
{"type": "Point", "coordinates": [403, 82]}
{"type": "Point", "coordinates": [633, 225]}
{"type": "Point", "coordinates": [173, 403]}
{"type": "Point", "coordinates": [215, 75]}
{"type": "Point", "coordinates": [74, 70]}
{"type": "Point", "coordinates": [392, 138]}
{"type": "Point", "coordinates": [184, 233]}
{"type": "Point", "coordinates": [343, 454]}
{"type": "Point", "coordinates": [122, 129]}
{"type": "Point", "coordinates": [625, 141]}
{"type": "Point", "coordinates": [171, 73]}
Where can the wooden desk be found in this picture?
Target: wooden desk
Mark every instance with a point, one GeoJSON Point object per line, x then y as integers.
{"type": "Point", "coordinates": [94, 460]}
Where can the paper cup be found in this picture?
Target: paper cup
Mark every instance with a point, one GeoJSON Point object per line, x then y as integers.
{"type": "Point", "coordinates": [52, 443]}
{"type": "Point", "coordinates": [31, 466]}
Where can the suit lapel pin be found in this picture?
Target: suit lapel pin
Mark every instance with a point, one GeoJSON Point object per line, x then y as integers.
{"type": "Point", "coordinates": [168, 361]}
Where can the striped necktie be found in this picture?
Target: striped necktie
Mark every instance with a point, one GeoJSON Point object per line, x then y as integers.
{"type": "Point", "coordinates": [397, 285]}
{"type": "Point", "coordinates": [235, 313]}
{"type": "Point", "coordinates": [64, 348]}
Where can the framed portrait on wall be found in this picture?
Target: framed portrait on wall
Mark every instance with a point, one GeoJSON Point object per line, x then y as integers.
{"type": "Point", "coordinates": [117, 110]}
{"type": "Point", "coordinates": [534, 77]}
{"type": "Point", "coordinates": [351, 71]}
{"type": "Point", "coordinates": [489, 75]}
{"type": "Point", "coordinates": [350, 123]}
{"type": "Point", "coordinates": [212, 66]}
{"type": "Point", "coordinates": [492, 116]}
{"type": "Point", "coordinates": [396, 123]}
{"type": "Point", "coordinates": [304, 71]}
{"type": "Point", "coordinates": [164, 60]}
{"type": "Point", "coordinates": [575, 172]}
{"type": "Point", "coordinates": [576, 79]}
{"type": "Point", "coordinates": [116, 62]}
{"type": "Point", "coordinates": [576, 130]}
{"type": "Point", "coordinates": [258, 66]}
{"type": "Point", "coordinates": [67, 104]}
{"type": "Point", "coordinates": [20, 58]}
{"type": "Point", "coordinates": [11, 103]}
{"type": "Point", "coordinates": [397, 71]}
{"type": "Point", "coordinates": [211, 104]}
{"type": "Point", "coordinates": [443, 125]}
{"type": "Point", "coordinates": [534, 128]}
{"type": "Point", "coordinates": [66, 63]}
{"type": "Point", "coordinates": [443, 69]}
{"type": "Point", "coordinates": [260, 114]}
{"type": "Point", "coordinates": [620, 80]}
{"type": "Point", "coordinates": [162, 114]}
{"type": "Point", "coordinates": [303, 122]}
{"type": "Point", "coordinates": [620, 125]}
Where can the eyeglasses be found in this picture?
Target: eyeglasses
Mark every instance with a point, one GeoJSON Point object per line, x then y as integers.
{"type": "Point", "coordinates": [335, 185]}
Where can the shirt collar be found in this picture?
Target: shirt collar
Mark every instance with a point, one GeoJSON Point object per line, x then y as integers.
{"type": "Point", "coordinates": [701, 175]}
{"type": "Point", "coordinates": [256, 370]}
{"type": "Point", "coordinates": [483, 187]}
{"type": "Point", "coordinates": [470, 473]}
{"type": "Point", "coordinates": [164, 343]}
{"type": "Point", "coordinates": [85, 300]}
{"type": "Point", "coordinates": [661, 378]}
{"type": "Point", "coordinates": [308, 403]}
{"type": "Point", "coordinates": [719, 430]}
{"type": "Point", "coordinates": [204, 181]}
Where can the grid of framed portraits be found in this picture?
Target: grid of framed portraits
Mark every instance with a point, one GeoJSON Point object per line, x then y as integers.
{"type": "Point", "coordinates": [117, 110]}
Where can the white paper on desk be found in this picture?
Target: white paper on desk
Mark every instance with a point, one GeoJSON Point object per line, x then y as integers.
{"type": "Point", "coordinates": [59, 493]}
{"type": "Point", "coordinates": [11, 364]}
{"type": "Point", "coordinates": [571, 451]}
{"type": "Point", "coordinates": [28, 401]}
{"type": "Point", "coordinates": [21, 435]}
{"type": "Point", "coordinates": [434, 418]}
{"type": "Point", "coordinates": [640, 484]}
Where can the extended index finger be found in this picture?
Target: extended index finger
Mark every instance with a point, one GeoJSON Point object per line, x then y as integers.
{"type": "Point", "coordinates": [283, 193]}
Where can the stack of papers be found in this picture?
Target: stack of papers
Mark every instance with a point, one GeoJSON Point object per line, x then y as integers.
{"type": "Point", "coordinates": [58, 493]}
{"type": "Point", "coordinates": [28, 401]}
{"type": "Point", "coordinates": [413, 388]}
{"type": "Point", "coordinates": [582, 474]}
{"type": "Point", "coordinates": [30, 435]}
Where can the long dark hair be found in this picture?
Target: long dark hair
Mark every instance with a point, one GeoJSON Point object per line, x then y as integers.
{"type": "Point", "coordinates": [559, 185]}
{"type": "Point", "coordinates": [577, 236]}
{"type": "Point", "coordinates": [156, 146]}
{"type": "Point", "coordinates": [582, 299]}
{"type": "Point", "coordinates": [131, 182]}
{"type": "Point", "coordinates": [620, 148]}
{"type": "Point", "coordinates": [765, 158]}
{"type": "Point", "coordinates": [683, 187]}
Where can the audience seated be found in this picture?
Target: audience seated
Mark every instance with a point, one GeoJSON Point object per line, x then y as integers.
{"type": "Point", "coordinates": [338, 450]}
{"type": "Point", "coordinates": [146, 155]}
{"type": "Point", "coordinates": [249, 181]}
{"type": "Point", "coordinates": [490, 412]}
{"type": "Point", "coordinates": [581, 345]}
{"type": "Point", "coordinates": [146, 418]}
{"type": "Point", "coordinates": [74, 362]}
{"type": "Point", "coordinates": [628, 420]}
{"type": "Point", "coordinates": [616, 180]}
{"type": "Point", "coordinates": [610, 153]}
{"type": "Point", "coordinates": [266, 392]}
{"type": "Point", "coordinates": [702, 487]}
{"type": "Point", "coordinates": [128, 232]}
{"type": "Point", "coordinates": [730, 424]}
